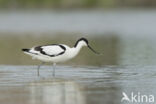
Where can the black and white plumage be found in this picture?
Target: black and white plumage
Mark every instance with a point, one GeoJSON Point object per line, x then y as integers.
{"type": "Point", "coordinates": [57, 52]}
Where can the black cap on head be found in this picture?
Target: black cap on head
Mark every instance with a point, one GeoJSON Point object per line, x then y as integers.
{"type": "Point", "coordinates": [81, 39]}
{"type": "Point", "coordinates": [85, 40]}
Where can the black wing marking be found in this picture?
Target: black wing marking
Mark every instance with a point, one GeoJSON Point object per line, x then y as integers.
{"type": "Point", "coordinates": [40, 49]}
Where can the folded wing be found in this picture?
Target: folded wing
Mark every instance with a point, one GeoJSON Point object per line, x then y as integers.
{"type": "Point", "coordinates": [51, 50]}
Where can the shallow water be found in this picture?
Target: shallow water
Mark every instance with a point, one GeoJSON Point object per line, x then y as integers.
{"type": "Point", "coordinates": [74, 85]}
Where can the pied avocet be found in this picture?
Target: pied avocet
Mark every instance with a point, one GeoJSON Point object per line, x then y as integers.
{"type": "Point", "coordinates": [56, 52]}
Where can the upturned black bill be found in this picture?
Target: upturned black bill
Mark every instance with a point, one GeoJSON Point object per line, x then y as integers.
{"type": "Point", "coordinates": [93, 50]}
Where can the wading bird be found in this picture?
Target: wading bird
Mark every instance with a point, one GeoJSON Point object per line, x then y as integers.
{"type": "Point", "coordinates": [55, 53]}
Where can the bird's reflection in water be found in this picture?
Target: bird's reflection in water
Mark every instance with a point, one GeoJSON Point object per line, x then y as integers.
{"type": "Point", "coordinates": [56, 92]}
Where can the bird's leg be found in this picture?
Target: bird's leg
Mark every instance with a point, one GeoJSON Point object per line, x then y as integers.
{"type": "Point", "coordinates": [54, 65]}
{"type": "Point", "coordinates": [38, 69]}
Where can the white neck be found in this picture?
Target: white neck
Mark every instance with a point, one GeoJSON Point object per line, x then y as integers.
{"type": "Point", "coordinates": [76, 50]}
